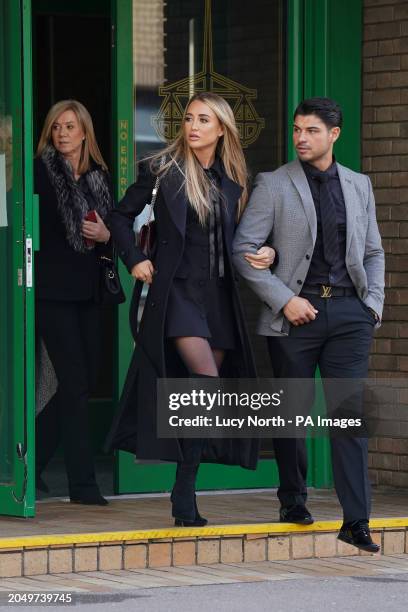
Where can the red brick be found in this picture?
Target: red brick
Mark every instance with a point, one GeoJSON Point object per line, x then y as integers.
{"type": "Point", "coordinates": [400, 479]}
{"type": "Point", "coordinates": [373, 476]}
{"type": "Point", "coordinates": [385, 478]}
{"type": "Point", "coordinates": [383, 362]}
{"type": "Point", "coordinates": [378, 15]}
{"type": "Point", "coordinates": [401, 11]}
{"type": "Point", "coordinates": [400, 246]}
{"type": "Point", "coordinates": [385, 130]}
{"type": "Point", "coordinates": [399, 213]}
{"type": "Point", "coordinates": [399, 347]}
{"type": "Point", "coordinates": [385, 445]}
{"type": "Point", "coordinates": [377, 147]}
{"type": "Point", "coordinates": [382, 31]}
{"type": "Point", "coordinates": [400, 179]}
{"type": "Point", "coordinates": [389, 229]}
{"type": "Point", "coordinates": [389, 162]}
{"type": "Point", "coordinates": [370, 48]}
{"type": "Point", "coordinates": [403, 463]}
{"type": "Point", "coordinates": [383, 213]}
{"type": "Point", "coordinates": [386, 62]}
{"type": "Point", "coordinates": [400, 146]}
{"type": "Point", "coordinates": [401, 45]}
{"type": "Point", "coordinates": [400, 113]}
{"type": "Point", "coordinates": [400, 446]}
{"type": "Point", "coordinates": [399, 79]}
{"type": "Point", "coordinates": [383, 114]}
{"type": "Point", "coordinates": [383, 80]}
{"type": "Point", "coordinates": [385, 461]}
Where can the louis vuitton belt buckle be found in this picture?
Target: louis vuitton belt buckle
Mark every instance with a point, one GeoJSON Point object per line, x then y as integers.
{"type": "Point", "coordinates": [325, 291]}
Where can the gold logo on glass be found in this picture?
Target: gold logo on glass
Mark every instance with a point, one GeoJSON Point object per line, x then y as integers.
{"type": "Point", "coordinates": [168, 120]}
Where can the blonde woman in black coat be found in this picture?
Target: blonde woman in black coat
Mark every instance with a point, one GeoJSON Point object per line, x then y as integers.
{"type": "Point", "coordinates": [192, 323]}
{"type": "Point", "coordinates": [71, 179]}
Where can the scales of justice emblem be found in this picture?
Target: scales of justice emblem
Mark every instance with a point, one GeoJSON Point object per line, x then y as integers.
{"type": "Point", "coordinates": [176, 95]}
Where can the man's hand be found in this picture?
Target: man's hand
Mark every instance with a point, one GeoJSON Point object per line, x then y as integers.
{"type": "Point", "coordinates": [299, 311]}
{"type": "Point", "coordinates": [143, 271]}
{"type": "Point", "coordinates": [263, 258]}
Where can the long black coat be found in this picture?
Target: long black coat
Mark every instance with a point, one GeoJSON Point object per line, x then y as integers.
{"type": "Point", "coordinates": [134, 427]}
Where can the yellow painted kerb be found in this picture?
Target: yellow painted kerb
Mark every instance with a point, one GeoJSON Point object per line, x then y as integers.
{"type": "Point", "coordinates": [43, 541]}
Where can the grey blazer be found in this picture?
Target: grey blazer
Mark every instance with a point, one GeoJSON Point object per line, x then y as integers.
{"type": "Point", "coordinates": [281, 212]}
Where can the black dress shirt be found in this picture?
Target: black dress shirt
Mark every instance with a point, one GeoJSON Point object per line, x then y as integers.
{"type": "Point", "coordinates": [320, 272]}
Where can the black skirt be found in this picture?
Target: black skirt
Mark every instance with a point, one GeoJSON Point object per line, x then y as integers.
{"type": "Point", "coordinates": [203, 308]}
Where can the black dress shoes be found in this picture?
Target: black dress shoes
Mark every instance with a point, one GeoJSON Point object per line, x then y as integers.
{"type": "Point", "coordinates": [295, 514]}
{"type": "Point", "coordinates": [358, 534]}
{"type": "Point", "coordinates": [90, 500]}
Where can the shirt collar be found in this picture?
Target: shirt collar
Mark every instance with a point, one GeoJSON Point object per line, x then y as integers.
{"type": "Point", "coordinates": [216, 168]}
{"type": "Point", "coordinates": [311, 171]}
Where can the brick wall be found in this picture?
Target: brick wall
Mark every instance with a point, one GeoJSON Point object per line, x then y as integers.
{"type": "Point", "coordinates": [385, 159]}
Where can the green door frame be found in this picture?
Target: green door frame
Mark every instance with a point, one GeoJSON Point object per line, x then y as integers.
{"type": "Point", "coordinates": [320, 64]}
{"type": "Point", "coordinates": [17, 497]}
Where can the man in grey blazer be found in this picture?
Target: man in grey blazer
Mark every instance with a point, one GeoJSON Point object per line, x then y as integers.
{"type": "Point", "coordinates": [323, 299]}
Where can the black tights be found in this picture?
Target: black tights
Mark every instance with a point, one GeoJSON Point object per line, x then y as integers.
{"type": "Point", "coordinates": [198, 356]}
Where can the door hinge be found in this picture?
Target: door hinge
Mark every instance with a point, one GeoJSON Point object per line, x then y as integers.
{"type": "Point", "coordinates": [113, 36]}
{"type": "Point", "coordinates": [19, 277]}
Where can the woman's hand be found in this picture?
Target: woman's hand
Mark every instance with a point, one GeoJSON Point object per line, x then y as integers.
{"type": "Point", "coordinates": [265, 256]}
{"type": "Point", "coordinates": [143, 271]}
{"type": "Point", "coordinates": [95, 231]}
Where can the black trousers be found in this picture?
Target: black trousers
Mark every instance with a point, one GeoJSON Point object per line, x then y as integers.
{"type": "Point", "coordinates": [338, 341]}
{"type": "Point", "coordinates": [71, 332]}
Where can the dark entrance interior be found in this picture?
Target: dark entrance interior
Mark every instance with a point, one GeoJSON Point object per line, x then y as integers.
{"type": "Point", "coordinates": [72, 60]}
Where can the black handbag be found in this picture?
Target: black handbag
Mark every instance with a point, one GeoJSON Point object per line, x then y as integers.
{"type": "Point", "coordinates": [147, 237]}
{"type": "Point", "coordinates": [110, 290]}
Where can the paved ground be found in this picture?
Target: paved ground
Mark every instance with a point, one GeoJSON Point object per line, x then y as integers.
{"type": "Point", "coordinates": [366, 584]}
{"type": "Point", "coordinates": [154, 511]}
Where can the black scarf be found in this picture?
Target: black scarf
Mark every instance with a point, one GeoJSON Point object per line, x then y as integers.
{"type": "Point", "coordinates": [72, 203]}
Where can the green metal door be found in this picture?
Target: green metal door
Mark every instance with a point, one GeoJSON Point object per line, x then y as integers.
{"type": "Point", "coordinates": [16, 255]}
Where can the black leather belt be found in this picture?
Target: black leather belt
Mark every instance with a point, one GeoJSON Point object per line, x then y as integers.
{"type": "Point", "coordinates": [326, 291]}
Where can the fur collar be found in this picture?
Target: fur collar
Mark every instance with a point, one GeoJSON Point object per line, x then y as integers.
{"type": "Point", "coordinates": [72, 202]}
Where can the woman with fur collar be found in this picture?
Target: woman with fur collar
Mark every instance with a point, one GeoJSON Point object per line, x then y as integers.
{"type": "Point", "coordinates": [71, 179]}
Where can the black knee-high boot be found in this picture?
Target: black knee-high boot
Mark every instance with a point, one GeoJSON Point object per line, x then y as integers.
{"type": "Point", "coordinates": [183, 497]}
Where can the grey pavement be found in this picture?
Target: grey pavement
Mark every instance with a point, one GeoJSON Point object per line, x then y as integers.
{"type": "Point", "coordinates": [363, 584]}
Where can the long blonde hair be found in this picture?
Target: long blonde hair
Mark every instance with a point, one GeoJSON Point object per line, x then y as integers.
{"type": "Point", "coordinates": [90, 149]}
{"type": "Point", "coordinates": [180, 155]}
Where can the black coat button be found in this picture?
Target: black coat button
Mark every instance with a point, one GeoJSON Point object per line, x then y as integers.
{"type": "Point", "coordinates": [152, 304]}
{"type": "Point", "coordinates": [307, 256]}
{"type": "Point", "coordinates": [164, 241]}
{"type": "Point", "coordinates": [122, 253]}
{"type": "Point", "coordinates": [299, 282]}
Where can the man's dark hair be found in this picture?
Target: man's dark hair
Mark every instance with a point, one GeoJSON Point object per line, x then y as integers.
{"type": "Point", "coordinates": [326, 109]}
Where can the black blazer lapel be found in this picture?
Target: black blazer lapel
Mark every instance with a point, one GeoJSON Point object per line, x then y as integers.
{"type": "Point", "coordinates": [175, 199]}
{"type": "Point", "coordinates": [232, 192]}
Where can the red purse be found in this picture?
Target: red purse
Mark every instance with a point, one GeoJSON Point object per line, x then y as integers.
{"type": "Point", "coordinates": [147, 237]}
